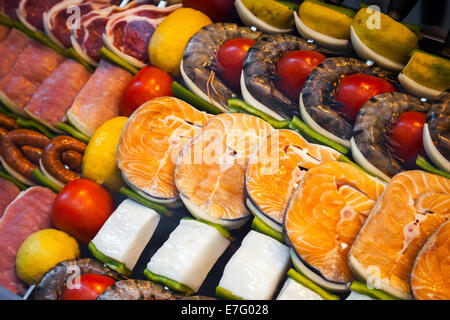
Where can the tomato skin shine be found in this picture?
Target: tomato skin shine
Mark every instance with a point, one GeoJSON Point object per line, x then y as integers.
{"type": "Point", "coordinates": [231, 56]}
{"type": "Point", "coordinates": [81, 209]}
{"type": "Point", "coordinates": [407, 133]}
{"type": "Point", "coordinates": [87, 287]}
{"type": "Point", "coordinates": [147, 84]}
{"type": "Point", "coordinates": [354, 90]}
{"type": "Point", "coordinates": [293, 69]}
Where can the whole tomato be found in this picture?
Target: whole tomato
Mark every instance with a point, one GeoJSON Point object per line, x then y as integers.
{"type": "Point", "coordinates": [86, 287]}
{"type": "Point", "coordinates": [231, 56]}
{"type": "Point", "coordinates": [147, 84]}
{"type": "Point", "coordinates": [354, 90]}
{"type": "Point", "coordinates": [407, 133]}
{"type": "Point", "coordinates": [81, 209]}
{"type": "Point", "coordinates": [293, 69]}
{"type": "Point", "coordinates": [216, 10]}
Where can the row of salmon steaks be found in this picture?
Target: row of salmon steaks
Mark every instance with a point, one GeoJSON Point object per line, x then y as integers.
{"type": "Point", "coordinates": [339, 222]}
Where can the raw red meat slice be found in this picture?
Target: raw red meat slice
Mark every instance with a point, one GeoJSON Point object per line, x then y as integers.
{"type": "Point", "coordinates": [99, 100]}
{"type": "Point", "coordinates": [87, 40]}
{"type": "Point", "coordinates": [28, 213]}
{"type": "Point", "coordinates": [31, 12]}
{"type": "Point", "coordinates": [61, 17]}
{"type": "Point", "coordinates": [8, 192]}
{"type": "Point", "coordinates": [128, 33]}
{"type": "Point", "coordinates": [56, 94]}
{"type": "Point", "coordinates": [34, 65]}
{"type": "Point", "coordinates": [10, 49]}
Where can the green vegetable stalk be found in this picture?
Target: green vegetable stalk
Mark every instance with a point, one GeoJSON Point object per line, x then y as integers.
{"type": "Point", "coordinates": [41, 179]}
{"type": "Point", "coordinates": [225, 294]}
{"type": "Point", "coordinates": [313, 136]}
{"type": "Point", "coordinates": [236, 105]}
{"type": "Point", "coordinates": [260, 226]}
{"type": "Point", "coordinates": [140, 199]}
{"type": "Point", "coordinates": [311, 285]}
{"type": "Point", "coordinates": [172, 284]}
{"type": "Point", "coordinates": [6, 176]}
{"type": "Point", "coordinates": [421, 162]}
{"type": "Point", "coordinates": [224, 232]}
{"type": "Point", "coordinates": [112, 263]}
{"type": "Point", "coordinates": [73, 132]}
{"type": "Point", "coordinates": [28, 123]}
{"type": "Point", "coordinates": [182, 93]}
{"type": "Point", "coordinates": [110, 56]}
{"type": "Point", "coordinates": [377, 294]}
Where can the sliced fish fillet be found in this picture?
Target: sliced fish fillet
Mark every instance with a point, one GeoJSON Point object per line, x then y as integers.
{"type": "Point", "coordinates": [412, 207]}
{"type": "Point", "coordinates": [276, 168]}
{"type": "Point", "coordinates": [430, 277]}
{"type": "Point", "coordinates": [210, 172]}
{"type": "Point", "coordinates": [151, 142]}
{"type": "Point", "coordinates": [325, 215]}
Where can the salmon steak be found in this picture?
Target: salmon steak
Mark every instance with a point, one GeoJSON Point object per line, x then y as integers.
{"type": "Point", "coordinates": [210, 171]}
{"type": "Point", "coordinates": [151, 141]}
{"type": "Point", "coordinates": [324, 217]}
{"type": "Point", "coordinates": [275, 170]}
{"type": "Point", "coordinates": [430, 277]}
{"type": "Point", "coordinates": [412, 207]}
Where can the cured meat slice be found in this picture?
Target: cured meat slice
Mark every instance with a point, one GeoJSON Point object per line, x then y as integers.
{"type": "Point", "coordinates": [210, 171]}
{"type": "Point", "coordinates": [430, 277]}
{"type": "Point", "coordinates": [149, 167]}
{"type": "Point", "coordinates": [10, 49]}
{"type": "Point", "coordinates": [99, 99]}
{"type": "Point", "coordinates": [324, 217]}
{"type": "Point", "coordinates": [56, 94]}
{"type": "Point", "coordinates": [9, 7]}
{"type": "Point", "coordinates": [87, 39]}
{"type": "Point", "coordinates": [31, 12]}
{"type": "Point", "coordinates": [128, 33]}
{"type": "Point", "coordinates": [8, 192]}
{"type": "Point", "coordinates": [3, 32]}
{"type": "Point", "coordinates": [32, 67]}
{"type": "Point", "coordinates": [64, 16]}
{"type": "Point", "coordinates": [28, 213]}
{"type": "Point", "coordinates": [412, 207]}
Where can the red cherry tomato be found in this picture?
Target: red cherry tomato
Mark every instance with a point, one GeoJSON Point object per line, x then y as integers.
{"type": "Point", "coordinates": [354, 90]}
{"type": "Point", "coordinates": [149, 83]}
{"type": "Point", "coordinates": [231, 56]}
{"type": "Point", "coordinates": [217, 10]}
{"type": "Point", "coordinates": [86, 287]}
{"type": "Point", "coordinates": [293, 69]}
{"type": "Point", "coordinates": [407, 133]}
{"type": "Point", "coordinates": [81, 209]}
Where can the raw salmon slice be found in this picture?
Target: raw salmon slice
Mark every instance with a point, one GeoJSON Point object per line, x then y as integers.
{"type": "Point", "coordinates": [277, 167]}
{"type": "Point", "coordinates": [150, 144]}
{"type": "Point", "coordinates": [210, 172]}
{"type": "Point", "coordinates": [412, 207]}
{"type": "Point", "coordinates": [430, 277]}
{"type": "Point", "coordinates": [324, 217]}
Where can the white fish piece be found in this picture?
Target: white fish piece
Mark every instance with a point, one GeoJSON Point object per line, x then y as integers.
{"type": "Point", "coordinates": [127, 231]}
{"type": "Point", "coordinates": [256, 269]}
{"type": "Point", "coordinates": [189, 254]}
{"type": "Point", "coordinates": [292, 290]}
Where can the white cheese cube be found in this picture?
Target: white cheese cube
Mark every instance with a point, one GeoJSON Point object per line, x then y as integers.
{"type": "Point", "coordinates": [292, 290]}
{"type": "Point", "coordinates": [189, 254]}
{"type": "Point", "coordinates": [257, 267]}
{"type": "Point", "coordinates": [127, 231]}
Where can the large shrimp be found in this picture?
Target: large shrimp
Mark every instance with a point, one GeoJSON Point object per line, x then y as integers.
{"type": "Point", "coordinates": [199, 65]}
{"type": "Point", "coordinates": [259, 73]}
{"type": "Point", "coordinates": [141, 290]}
{"type": "Point", "coordinates": [437, 131]}
{"type": "Point", "coordinates": [55, 280]}
{"type": "Point", "coordinates": [318, 105]}
{"type": "Point", "coordinates": [370, 133]}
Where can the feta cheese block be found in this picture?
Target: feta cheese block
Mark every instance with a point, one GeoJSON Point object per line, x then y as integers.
{"type": "Point", "coordinates": [127, 231]}
{"type": "Point", "coordinates": [292, 290]}
{"type": "Point", "coordinates": [256, 269]}
{"type": "Point", "coordinates": [189, 254]}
